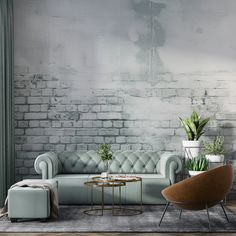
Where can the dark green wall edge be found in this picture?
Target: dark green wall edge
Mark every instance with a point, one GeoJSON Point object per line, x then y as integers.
{"type": "Point", "coordinates": [7, 157]}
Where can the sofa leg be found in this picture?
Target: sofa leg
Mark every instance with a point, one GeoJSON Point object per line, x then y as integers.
{"type": "Point", "coordinates": [224, 211]}
{"type": "Point", "coordinates": [43, 220]}
{"type": "Point", "coordinates": [13, 220]}
{"type": "Point", "coordinates": [208, 216]}
{"type": "Point", "coordinates": [167, 204]}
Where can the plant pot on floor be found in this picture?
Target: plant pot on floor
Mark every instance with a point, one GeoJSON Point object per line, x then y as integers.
{"type": "Point", "coordinates": [197, 165]}
{"type": "Point", "coordinates": [191, 148]}
{"type": "Point", "coordinates": [193, 173]}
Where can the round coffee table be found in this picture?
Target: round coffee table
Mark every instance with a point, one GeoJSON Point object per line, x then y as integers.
{"type": "Point", "coordinates": [113, 182]}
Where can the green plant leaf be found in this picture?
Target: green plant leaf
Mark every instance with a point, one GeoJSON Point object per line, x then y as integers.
{"type": "Point", "coordinates": [199, 135]}
{"type": "Point", "coordinates": [187, 128]}
{"type": "Point", "coordinates": [105, 153]}
{"type": "Point", "coordinates": [194, 126]}
{"type": "Point", "coordinates": [194, 116]}
{"type": "Point", "coordinates": [216, 147]}
{"type": "Point", "coordinates": [197, 163]}
{"type": "Point", "coordinates": [200, 128]}
{"type": "Point", "coordinates": [202, 124]}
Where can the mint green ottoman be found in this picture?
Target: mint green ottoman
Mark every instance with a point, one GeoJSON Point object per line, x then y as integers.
{"type": "Point", "coordinates": [28, 203]}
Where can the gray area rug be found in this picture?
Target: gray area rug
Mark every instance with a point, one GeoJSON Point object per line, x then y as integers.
{"type": "Point", "coordinates": [72, 219]}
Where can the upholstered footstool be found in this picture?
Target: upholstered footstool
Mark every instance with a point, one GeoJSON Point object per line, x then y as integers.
{"type": "Point", "coordinates": [29, 202]}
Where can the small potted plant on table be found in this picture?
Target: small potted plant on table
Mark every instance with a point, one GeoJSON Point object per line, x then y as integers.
{"type": "Point", "coordinates": [215, 151]}
{"type": "Point", "coordinates": [105, 153]}
{"type": "Point", "coordinates": [194, 128]}
{"type": "Point", "coordinates": [197, 165]}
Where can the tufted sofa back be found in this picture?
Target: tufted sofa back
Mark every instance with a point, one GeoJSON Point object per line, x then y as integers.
{"type": "Point", "coordinates": [122, 162]}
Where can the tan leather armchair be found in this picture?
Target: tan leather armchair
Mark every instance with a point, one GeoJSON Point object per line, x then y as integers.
{"type": "Point", "coordinates": [201, 191]}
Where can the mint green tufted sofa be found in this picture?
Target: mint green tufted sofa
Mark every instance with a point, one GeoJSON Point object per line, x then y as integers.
{"type": "Point", "coordinates": [71, 170]}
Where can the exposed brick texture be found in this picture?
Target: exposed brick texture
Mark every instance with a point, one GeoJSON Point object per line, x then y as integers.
{"type": "Point", "coordinates": [74, 126]}
{"type": "Point", "coordinates": [89, 73]}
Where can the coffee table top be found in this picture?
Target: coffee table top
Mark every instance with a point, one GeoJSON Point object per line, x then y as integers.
{"type": "Point", "coordinates": [112, 181]}
{"type": "Point", "coordinates": [125, 178]}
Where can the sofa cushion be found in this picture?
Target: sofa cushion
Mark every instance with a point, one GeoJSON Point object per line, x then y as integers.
{"type": "Point", "coordinates": [71, 188]}
{"type": "Point", "coordinates": [122, 162]}
{"type": "Point", "coordinates": [152, 186]}
{"type": "Point", "coordinates": [148, 176]}
{"type": "Point", "coordinates": [77, 162]}
{"type": "Point", "coordinates": [135, 162]}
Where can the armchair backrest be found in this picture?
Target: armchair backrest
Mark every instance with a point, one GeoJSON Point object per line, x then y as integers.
{"type": "Point", "coordinates": [122, 162]}
{"type": "Point", "coordinates": [208, 188]}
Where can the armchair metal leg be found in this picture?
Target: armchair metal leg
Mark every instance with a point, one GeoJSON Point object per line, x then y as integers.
{"type": "Point", "coordinates": [180, 214]}
{"type": "Point", "coordinates": [167, 204]}
{"type": "Point", "coordinates": [224, 211]}
{"type": "Point", "coordinates": [208, 216]}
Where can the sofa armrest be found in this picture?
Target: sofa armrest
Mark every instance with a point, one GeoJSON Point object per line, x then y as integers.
{"type": "Point", "coordinates": [170, 164]}
{"type": "Point", "coordinates": [48, 165]}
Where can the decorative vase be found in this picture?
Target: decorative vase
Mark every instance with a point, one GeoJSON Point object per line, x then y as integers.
{"type": "Point", "coordinates": [191, 148]}
{"type": "Point", "coordinates": [105, 174]}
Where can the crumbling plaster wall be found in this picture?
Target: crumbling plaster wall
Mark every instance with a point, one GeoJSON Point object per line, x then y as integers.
{"type": "Point", "coordinates": [121, 72]}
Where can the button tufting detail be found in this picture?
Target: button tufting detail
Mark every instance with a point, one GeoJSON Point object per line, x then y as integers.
{"type": "Point", "coordinates": [123, 161]}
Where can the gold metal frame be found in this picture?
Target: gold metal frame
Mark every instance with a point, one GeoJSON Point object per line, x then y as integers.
{"type": "Point", "coordinates": [113, 182]}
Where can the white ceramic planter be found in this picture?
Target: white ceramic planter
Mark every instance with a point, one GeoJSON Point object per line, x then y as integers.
{"type": "Point", "coordinates": [191, 148]}
{"type": "Point", "coordinates": [193, 173]}
{"type": "Point", "coordinates": [215, 158]}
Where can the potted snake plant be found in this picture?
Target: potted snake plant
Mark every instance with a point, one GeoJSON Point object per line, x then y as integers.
{"type": "Point", "coordinates": [215, 151]}
{"type": "Point", "coordinates": [105, 153]}
{"type": "Point", "coordinates": [197, 165]}
{"type": "Point", "coordinates": [194, 128]}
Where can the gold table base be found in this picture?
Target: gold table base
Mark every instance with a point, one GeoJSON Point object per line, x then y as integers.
{"type": "Point", "coordinates": [117, 209]}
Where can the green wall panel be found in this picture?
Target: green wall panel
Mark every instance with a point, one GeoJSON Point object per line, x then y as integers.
{"type": "Point", "coordinates": [6, 98]}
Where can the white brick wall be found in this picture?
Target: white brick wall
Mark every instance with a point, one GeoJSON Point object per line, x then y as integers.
{"type": "Point", "coordinates": [82, 78]}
